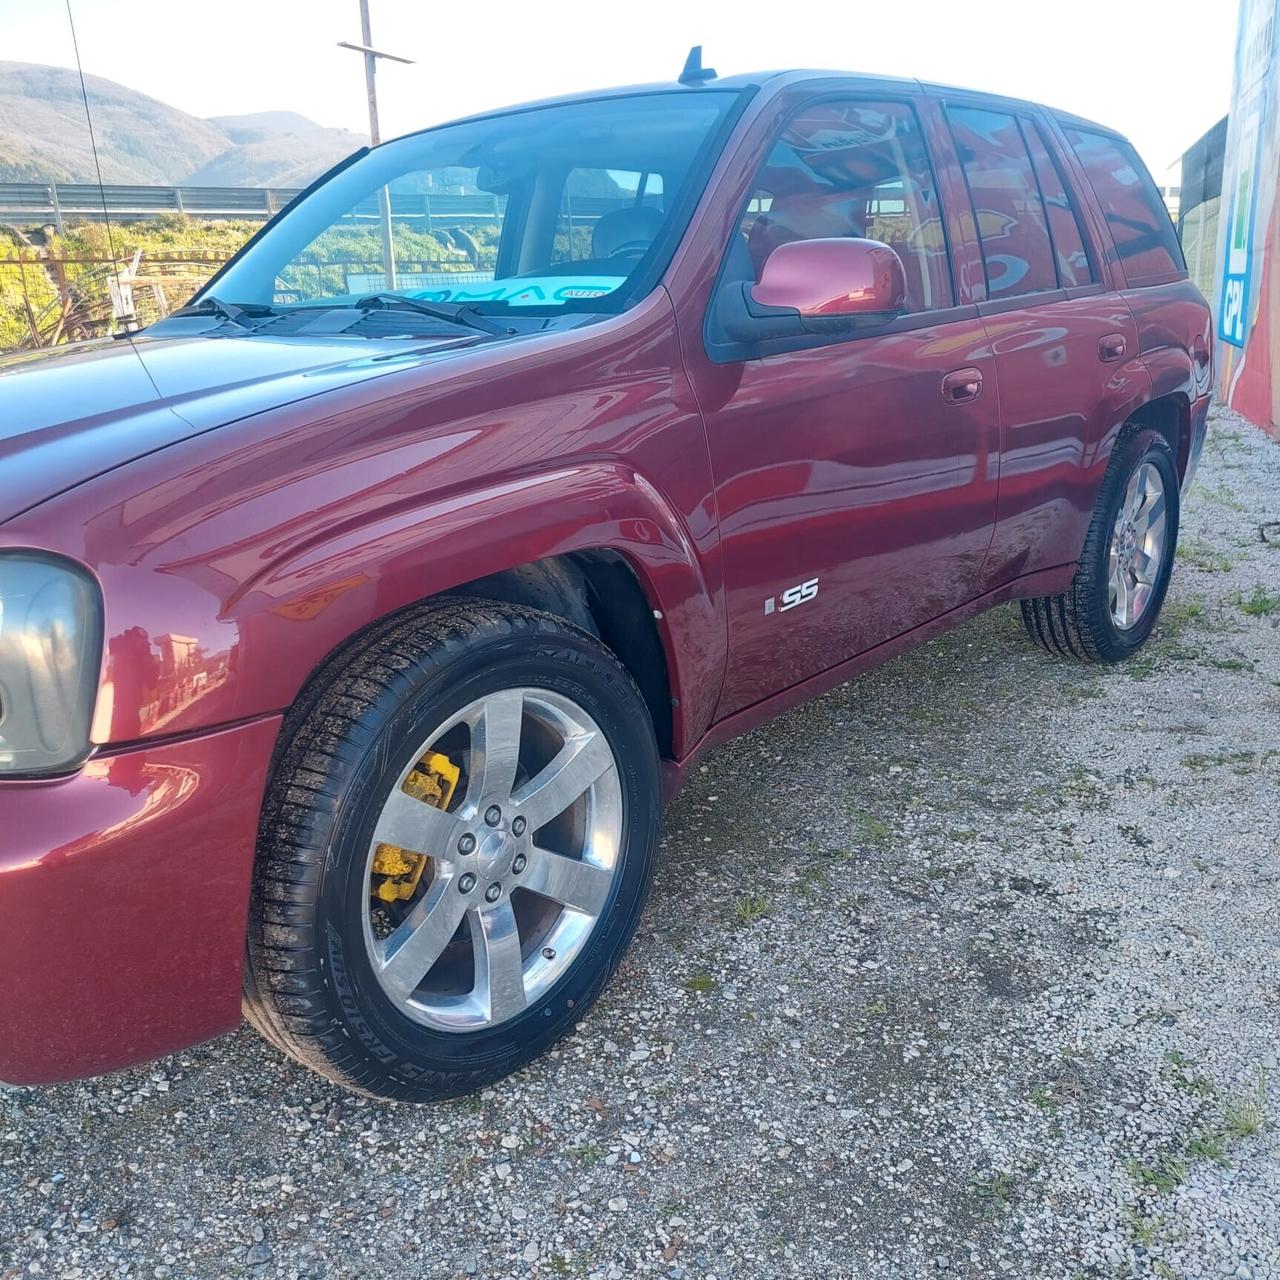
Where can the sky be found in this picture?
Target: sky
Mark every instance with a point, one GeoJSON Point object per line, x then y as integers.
{"type": "Point", "coordinates": [1158, 70]}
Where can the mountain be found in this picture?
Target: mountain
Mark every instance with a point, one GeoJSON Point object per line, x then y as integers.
{"type": "Point", "coordinates": [44, 137]}
{"type": "Point", "coordinates": [274, 149]}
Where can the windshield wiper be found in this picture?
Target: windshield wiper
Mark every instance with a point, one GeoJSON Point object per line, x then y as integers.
{"type": "Point", "coordinates": [237, 313]}
{"type": "Point", "coordinates": [470, 317]}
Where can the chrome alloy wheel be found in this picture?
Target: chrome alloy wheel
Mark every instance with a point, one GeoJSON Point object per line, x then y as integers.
{"type": "Point", "coordinates": [1137, 549]}
{"type": "Point", "coordinates": [519, 869]}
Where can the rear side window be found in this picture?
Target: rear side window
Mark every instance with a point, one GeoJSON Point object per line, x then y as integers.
{"type": "Point", "coordinates": [1074, 267]}
{"type": "Point", "coordinates": [1012, 225]}
{"type": "Point", "coordinates": [1140, 224]}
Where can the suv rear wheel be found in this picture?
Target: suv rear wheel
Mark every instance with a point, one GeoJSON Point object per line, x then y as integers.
{"type": "Point", "coordinates": [454, 853]}
{"type": "Point", "coordinates": [1123, 572]}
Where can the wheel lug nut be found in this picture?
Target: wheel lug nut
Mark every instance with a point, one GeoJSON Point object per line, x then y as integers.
{"type": "Point", "coordinates": [519, 863]}
{"type": "Point", "coordinates": [493, 815]}
{"type": "Point", "coordinates": [518, 827]}
{"type": "Point", "coordinates": [466, 882]}
{"type": "Point", "coordinates": [467, 844]}
{"type": "Point", "coordinates": [548, 953]}
{"type": "Point", "coordinates": [493, 892]}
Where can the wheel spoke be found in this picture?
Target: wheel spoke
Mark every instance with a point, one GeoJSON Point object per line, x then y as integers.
{"type": "Point", "coordinates": [1151, 515]}
{"type": "Point", "coordinates": [583, 760]}
{"type": "Point", "coordinates": [412, 950]}
{"type": "Point", "coordinates": [1124, 600]}
{"type": "Point", "coordinates": [1145, 567]}
{"type": "Point", "coordinates": [495, 746]}
{"type": "Point", "coordinates": [499, 964]}
{"type": "Point", "coordinates": [415, 825]}
{"type": "Point", "coordinates": [1133, 494]}
{"type": "Point", "coordinates": [583, 886]}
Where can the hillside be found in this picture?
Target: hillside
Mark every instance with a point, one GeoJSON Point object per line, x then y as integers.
{"type": "Point", "coordinates": [43, 137]}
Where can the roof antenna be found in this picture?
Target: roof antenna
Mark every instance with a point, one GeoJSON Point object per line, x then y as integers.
{"type": "Point", "coordinates": [694, 72]}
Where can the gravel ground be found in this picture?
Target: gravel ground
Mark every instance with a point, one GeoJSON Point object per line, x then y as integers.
{"type": "Point", "coordinates": [971, 968]}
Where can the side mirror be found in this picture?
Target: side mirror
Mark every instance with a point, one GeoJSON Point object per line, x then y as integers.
{"type": "Point", "coordinates": [817, 286]}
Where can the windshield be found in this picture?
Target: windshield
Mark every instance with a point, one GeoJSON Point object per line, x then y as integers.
{"type": "Point", "coordinates": [575, 207]}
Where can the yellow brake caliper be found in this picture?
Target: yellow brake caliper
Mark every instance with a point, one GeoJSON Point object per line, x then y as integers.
{"type": "Point", "coordinates": [397, 872]}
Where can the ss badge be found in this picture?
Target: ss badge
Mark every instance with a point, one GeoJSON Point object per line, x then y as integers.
{"type": "Point", "coordinates": [801, 593]}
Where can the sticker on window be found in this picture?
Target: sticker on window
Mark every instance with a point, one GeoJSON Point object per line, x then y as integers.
{"type": "Point", "coordinates": [531, 291]}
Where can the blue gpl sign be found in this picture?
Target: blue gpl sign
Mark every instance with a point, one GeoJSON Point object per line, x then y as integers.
{"type": "Point", "coordinates": [1238, 265]}
{"type": "Point", "coordinates": [1254, 52]}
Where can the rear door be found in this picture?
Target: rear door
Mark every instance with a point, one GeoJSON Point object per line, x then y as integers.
{"type": "Point", "coordinates": [1064, 341]}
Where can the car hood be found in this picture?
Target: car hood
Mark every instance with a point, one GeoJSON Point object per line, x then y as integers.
{"type": "Point", "coordinates": [70, 413]}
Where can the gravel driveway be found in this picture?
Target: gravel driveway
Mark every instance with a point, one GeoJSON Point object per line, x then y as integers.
{"type": "Point", "coordinates": [971, 968]}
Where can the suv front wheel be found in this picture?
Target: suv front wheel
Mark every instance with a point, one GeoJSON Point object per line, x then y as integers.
{"type": "Point", "coordinates": [455, 850]}
{"type": "Point", "coordinates": [1123, 572]}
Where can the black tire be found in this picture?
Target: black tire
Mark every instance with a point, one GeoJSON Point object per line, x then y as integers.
{"type": "Point", "coordinates": [309, 985]}
{"type": "Point", "coordinates": [1078, 623]}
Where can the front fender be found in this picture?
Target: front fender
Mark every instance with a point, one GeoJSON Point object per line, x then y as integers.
{"type": "Point", "coordinates": [233, 564]}
{"type": "Point", "coordinates": [309, 603]}
{"type": "Point", "coordinates": [216, 617]}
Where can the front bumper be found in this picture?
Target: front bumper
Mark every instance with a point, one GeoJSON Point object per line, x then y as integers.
{"type": "Point", "coordinates": [124, 893]}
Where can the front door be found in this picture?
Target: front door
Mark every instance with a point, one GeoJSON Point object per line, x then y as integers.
{"type": "Point", "coordinates": [855, 478]}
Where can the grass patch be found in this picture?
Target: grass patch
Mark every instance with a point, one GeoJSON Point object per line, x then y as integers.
{"type": "Point", "coordinates": [1242, 761]}
{"type": "Point", "coordinates": [1203, 555]}
{"type": "Point", "coordinates": [1208, 1144]}
{"type": "Point", "coordinates": [702, 983]}
{"type": "Point", "coordinates": [868, 826]}
{"type": "Point", "coordinates": [1144, 1231]}
{"type": "Point", "coordinates": [1245, 1114]}
{"type": "Point", "coordinates": [1166, 1173]}
{"type": "Point", "coordinates": [1043, 1098]}
{"type": "Point", "coordinates": [1179, 614]}
{"type": "Point", "coordinates": [1231, 664]}
{"type": "Point", "coordinates": [1183, 1076]}
{"type": "Point", "coordinates": [996, 1188]}
{"type": "Point", "coordinates": [755, 906]}
{"type": "Point", "coordinates": [1260, 604]}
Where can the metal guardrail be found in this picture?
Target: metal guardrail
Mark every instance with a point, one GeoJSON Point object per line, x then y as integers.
{"type": "Point", "coordinates": [37, 203]}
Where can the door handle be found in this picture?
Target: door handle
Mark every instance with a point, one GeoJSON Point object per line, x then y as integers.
{"type": "Point", "coordinates": [1111, 347]}
{"type": "Point", "coordinates": [962, 385]}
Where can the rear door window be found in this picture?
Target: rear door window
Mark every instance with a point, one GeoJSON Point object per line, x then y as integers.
{"type": "Point", "coordinates": [1013, 227]}
{"type": "Point", "coordinates": [1140, 224]}
{"type": "Point", "coordinates": [1074, 267]}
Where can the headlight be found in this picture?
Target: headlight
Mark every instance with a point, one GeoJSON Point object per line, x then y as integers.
{"type": "Point", "coordinates": [50, 652]}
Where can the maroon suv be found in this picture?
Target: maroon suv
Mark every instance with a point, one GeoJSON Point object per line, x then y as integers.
{"type": "Point", "coordinates": [356, 618]}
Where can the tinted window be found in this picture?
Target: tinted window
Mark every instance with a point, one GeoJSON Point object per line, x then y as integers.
{"type": "Point", "coordinates": [1140, 224]}
{"type": "Point", "coordinates": [852, 169]}
{"type": "Point", "coordinates": [1064, 224]}
{"type": "Point", "coordinates": [1012, 226]}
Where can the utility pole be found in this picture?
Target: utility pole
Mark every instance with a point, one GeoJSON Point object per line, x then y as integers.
{"type": "Point", "coordinates": [371, 56]}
